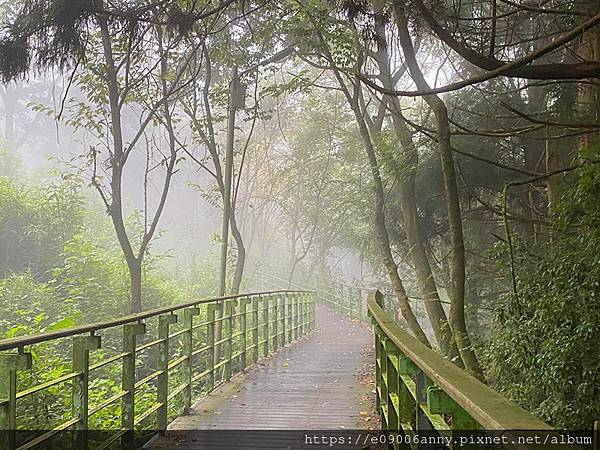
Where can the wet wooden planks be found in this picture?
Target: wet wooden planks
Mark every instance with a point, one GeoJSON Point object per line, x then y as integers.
{"type": "Point", "coordinates": [321, 382]}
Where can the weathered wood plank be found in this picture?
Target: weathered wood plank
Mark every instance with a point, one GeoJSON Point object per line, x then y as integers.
{"type": "Point", "coordinates": [317, 383]}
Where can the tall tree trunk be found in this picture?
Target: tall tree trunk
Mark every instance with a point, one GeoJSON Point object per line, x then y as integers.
{"type": "Point", "coordinates": [117, 162]}
{"type": "Point", "coordinates": [535, 148]}
{"type": "Point", "coordinates": [381, 233]}
{"type": "Point", "coordinates": [406, 170]}
{"type": "Point", "coordinates": [558, 155]}
{"type": "Point", "coordinates": [588, 93]}
{"type": "Point", "coordinates": [457, 307]}
{"type": "Point", "coordinates": [135, 280]}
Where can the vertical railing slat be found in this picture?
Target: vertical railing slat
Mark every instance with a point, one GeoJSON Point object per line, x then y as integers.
{"type": "Point", "coordinates": [82, 345]}
{"type": "Point", "coordinates": [130, 333]}
{"type": "Point", "coordinates": [228, 326]}
{"type": "Point", "coordinates": [266, 301]}
{"type": "Point", "coordinates": [276, 323]}
{"type": "Point", "coordinates": [210, 343]}
{"type": "Point", "coordinates": [255, 325]}
{"type": "Point", "coordinates": [188, 348]}
{"type": "Point", "coordinates": [10, 364]}
{"type": "Point", "coordinates": [162, 383]}
{"type": "Point", "coordinates": [243, 303]}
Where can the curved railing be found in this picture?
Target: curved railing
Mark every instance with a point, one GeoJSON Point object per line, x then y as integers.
{"type": "Point", "coordinates": [165, 361]}
{"type": "Point", "coordinates": [419, 391]}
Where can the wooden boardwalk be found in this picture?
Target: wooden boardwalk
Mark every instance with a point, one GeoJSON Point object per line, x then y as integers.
{"type": "Point", "coordinates": [321, 382]}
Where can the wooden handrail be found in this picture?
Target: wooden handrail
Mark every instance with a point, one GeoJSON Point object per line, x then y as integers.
{"type": "Point", "coordinates": [21, 341]}
{"type": "Point", "coordinates": [417, 389]}
{"type": "Point", "coordinates": [490, 409]}
{"type": "Point", "coordinates": [252, 325]}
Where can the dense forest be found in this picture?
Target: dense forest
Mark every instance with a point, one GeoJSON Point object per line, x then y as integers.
{"type": "Point", "coordinates": [444, 150]}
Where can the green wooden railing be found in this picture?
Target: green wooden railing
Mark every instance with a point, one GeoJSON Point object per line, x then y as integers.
{"type": "Point", "coordinates": [348, 300]}
{"type": "Point", "coordinates": [196, 346]}
{"type": "Point", "coordinates": [418, 390]}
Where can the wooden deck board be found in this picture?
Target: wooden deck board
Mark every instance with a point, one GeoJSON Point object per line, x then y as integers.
{"type": "Point", "coordinates": [321, 382]}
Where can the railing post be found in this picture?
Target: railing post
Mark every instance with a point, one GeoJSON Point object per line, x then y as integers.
{"type": "Point", "coordinates": [308, 312]}
{"type": "Point", "coordinates": [10, 363]}
{"type": "Point", "coordinates": [229, 323]}
{"type": "Point", "coordinates": [244, 330]}
{"type": "Point", "coordinates": [276, 324]}
{"type": "Point", "coordinates": [383, 370]}
{"type": "Point", "coordinates": [266, 325]}
{"type": "Point", "coordinates": [377, 367]}
{"type": "Point", "coordinates": [295, 316]}
{"type": "Point", "coordinates": [255, 328]}
{"type": "Point", "coordinates": [81, 363]}
{"type": "Point", "coordinates": [405, 368]}
{"type": "Point", "coordinates": [210, 343]}
{"type": "Point", "coordinates": [285, 321]}
{"type": "Point", "coordinates": [188, 349]}
{"type": "Point", "coordinates": [301, 302]}
{"type": "Point", "coordinates": [312, 314]}
{"type": "Point", "coordinates": [290, 317]}
{"type": "Point", "coordinates": [422, 383]}
{"type": "Point", "coordinates": [162, 384]}
{"type": "Point", "coordinates": [392, 385]}
{"type": "Point", "coordinates": [130, 333]}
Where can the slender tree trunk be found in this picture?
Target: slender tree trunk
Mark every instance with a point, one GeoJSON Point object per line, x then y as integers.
{"type": "Point", "coordinates": [135, 279]}
{"type": "Point", "coordinates": [407, 171]}
{"type": "Point", "coordinates": [457, 307]}
{"type": "Point", "coordinates": [381, 233]}
{"type": "Point", "coordinates": [117, 162]}
{"type": "Point", "coordinates": [240, 261]}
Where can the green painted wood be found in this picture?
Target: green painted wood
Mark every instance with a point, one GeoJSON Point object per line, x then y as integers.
{"type": "Point", "coordinates": [302, 312]}
{"type": "Point", "coordinates": [210, 342]}
{"type": "Point", "coordinates": [422, 383]}
{"type": "Point", "coordinates": [475, 401]}
{"type": "Point", "coordinates": [10, 364]}
{"type": "Point", "coordinates": [244, 330]}
{"type": "Point", "coordinates": [295, 318]}
{"type": "Point", "coordinates": [289, 319]}
{"type": "Point", "coordinates": [266, 326]}
{"type": "Point", "coordinates": [162, 381]}
{"type": "Point", "coordinates": [406, 403]}
{"type": "Point", "coordinates": [392, 382]}
{"type": "Point", "coordinates": [255, 328]}
{"type": "Point", "coordinates": [82, 345]}
{"type": "Point", "coordinates": [130, 333]}
{"type": "Point", "coordinates": [378, 356]}
{"type": "Point", "coordinates": [275, 337]}
{"type": "Point", "coordinates": [188, 348]}
{"type": "Point", "coordinates": [228, 333]}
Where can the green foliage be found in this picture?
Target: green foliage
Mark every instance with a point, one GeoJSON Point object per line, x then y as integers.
{"type": "Point", "coordinates": [35, 223]}
{"type": "Point", "coordinates": [543, 351]}
{"type": "Point", "coordinates": [62, 267]}
{"type": "Point", "coordinates": [30, 306]}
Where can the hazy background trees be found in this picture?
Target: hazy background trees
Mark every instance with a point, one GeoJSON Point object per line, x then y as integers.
{"type": "Point", "coordinates": [445, 149]}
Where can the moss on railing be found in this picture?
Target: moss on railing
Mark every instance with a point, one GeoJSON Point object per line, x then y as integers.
{"type": "Point", "coordinates": [419, 390]}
